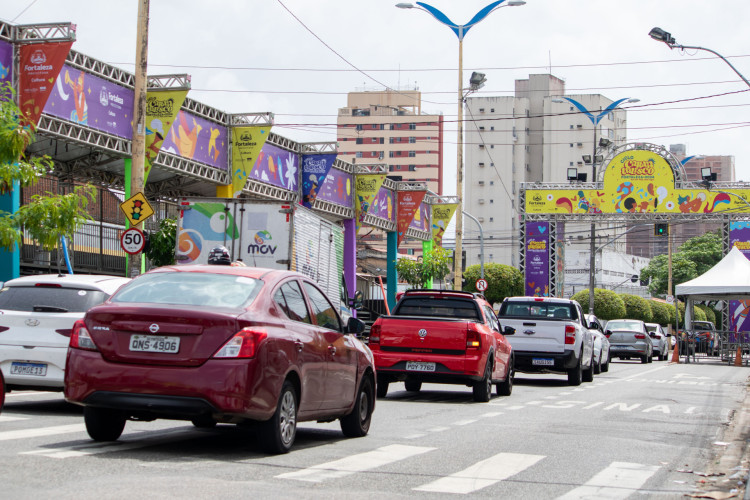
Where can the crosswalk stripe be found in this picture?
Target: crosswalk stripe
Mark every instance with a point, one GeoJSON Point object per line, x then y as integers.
{"type": "Point", "coordinates": [42, 431]}
{"type": "Point", "coordinates": [482, 474]}
{"type": "Point", "coordinates": [95, 448]}
{"type": "Point", "coordinates": [356, 463]}
{"type": "Point", "coordinates": [8, 418]}
{"type": "Point", "coordinates": [617, 481]}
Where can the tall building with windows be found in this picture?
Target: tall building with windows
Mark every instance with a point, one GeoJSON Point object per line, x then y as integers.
{"type": "Point", "coordinates": [534, 136]}
{"type": "Point", "coordinates": [389, 127]}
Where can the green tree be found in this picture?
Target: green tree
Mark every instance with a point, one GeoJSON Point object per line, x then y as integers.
{"type": "Point", "coordinates": [162, 243]}
{"type": "Point", "coordinates": [660, 312]}
{"type": "Point", "coordinates": [705, 250]}
{"type": "Point", "coordinates": [48, 217]}
{"type": "Point", "coordinates": [433, 266]}
{"type": "Point", "coordinates": [710, 314]}
{"type": "Point", "coordinates": [637, 307]}
{"type": "Point", "coordinates": [502, 281]}
{"type": "Point", "coordinates": [607, 304]}
{"type": "Point", "coordinates": [700, 314]}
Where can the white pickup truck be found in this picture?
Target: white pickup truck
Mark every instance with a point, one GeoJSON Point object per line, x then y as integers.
{"type": "Point", "coordinates": [551, 336]}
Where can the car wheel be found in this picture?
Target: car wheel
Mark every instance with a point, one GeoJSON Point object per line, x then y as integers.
{"type": "Point", "coordinates": [644, 359]}
{"type": "Point", "coordinates": [382, 386]}
{"type": "Point", "coordinates": [412, 385]}
{"type": "Point", "coordinates": [605, 366]}
{"type": "Point", "coordinates": [651, 358]}
{"type": "Point", "coordinates": [575, 374]}
{"type": "Point", "coordinates": [357, 423]}
{"type": "Point", "coordinates": [103, 424]}
{"type": "Point", "coordinates": [2, 391]}
{"type": "Point", "coordinates": [204, 422]}
{"type": "Point", "coordinates": [277, 433]}
{"type": "Point", "coordinates": [598, 365]}
{"type": "Point", "coordinates": [505, 388]}
{"type": "Point", "coordinates": [588, 373]}
{"type": "Point", "coordinates": [483, 388]}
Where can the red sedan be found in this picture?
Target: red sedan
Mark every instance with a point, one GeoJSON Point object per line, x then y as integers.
{"type": "Point", "coordinates": [213, 344]}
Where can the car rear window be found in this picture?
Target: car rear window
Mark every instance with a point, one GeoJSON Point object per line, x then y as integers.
{"type": "Point", "coordinates": [49, 299]}
{"type": "Point", "coordinates": [190, 289]}
{"type": "Point", "coordinates": [546, 310]}
{"type": "Point", "coordinates": [633, 326]}
{"type": "Point", "coordinates": [438, 307]}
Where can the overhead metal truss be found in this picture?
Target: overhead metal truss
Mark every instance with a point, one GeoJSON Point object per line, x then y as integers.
{"type": "Point", "coordinates": [239, 119]}
{"type": "Point", "coordinates": [168, 82]}
{"type": "Point", "coordinates": [370, 168]}
{"type": "Point", "coordinates": [318, 147]}
{"type": "Point", "coordinates": [44, 32]}
{"type": "Point", "coordinates": [6, 31]}
{"type": "Point", "coordinates": [76, 133]}
{"type": "Point", "coordinates": [677, 168]}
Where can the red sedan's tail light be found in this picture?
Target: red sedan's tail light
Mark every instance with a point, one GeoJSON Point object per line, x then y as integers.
{"type": "Point", "coordinates": [473, 338]}
{"type": "Point", "coordinates": [640, 336]}
{"type": "Point", "coordinates": [570, 334]}
{"type": "Point", "coordinates": [374, 339]}
{"type": "Point", "coordinates": [244, 344]}
{"type": "Point", "coordinates": [80, 337]}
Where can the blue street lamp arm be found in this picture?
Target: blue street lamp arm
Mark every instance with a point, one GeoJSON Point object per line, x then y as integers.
{"type": "Point", "coordinates": [460, 29]}
{"type": "Point", "coordinates": [595, 119]}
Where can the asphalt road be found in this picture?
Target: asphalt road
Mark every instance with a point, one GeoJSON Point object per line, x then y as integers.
{"type": "Point", "coordinates": [639, 431]}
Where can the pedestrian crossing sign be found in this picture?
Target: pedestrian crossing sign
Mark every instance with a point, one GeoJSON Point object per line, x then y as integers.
{"type": "Point", "coordinates": [137, 209]}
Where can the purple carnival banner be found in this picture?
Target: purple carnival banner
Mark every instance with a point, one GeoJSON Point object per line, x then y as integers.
{"type": "Point", "coordinates": [739, 236]}
{"type": "Point", "coordinates": [536, 272]}
{"type": "Point", "coordinates": [383, 205]}
{"type": "Point", "coordinates": [421, 219]}
{"type": "Point", "coordinates": [315, 168]}
{"type": "Point", "coordinates": [196, 138]}
{"type": "Point", "coordinates": [6, 61]}
{"type": "Point", "coordinates": [338, 188]}
{"type": "Point", "coordinates": [83, 98]}
{"type": "Point", "coordinates": [276, 166]}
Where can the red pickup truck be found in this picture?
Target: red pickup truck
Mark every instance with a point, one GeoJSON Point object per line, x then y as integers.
{"type": "Point", "coordinates": [442, 336]}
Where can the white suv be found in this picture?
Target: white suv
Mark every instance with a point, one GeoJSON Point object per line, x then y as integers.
{"type": "Point", "coordinates": [36, 318]}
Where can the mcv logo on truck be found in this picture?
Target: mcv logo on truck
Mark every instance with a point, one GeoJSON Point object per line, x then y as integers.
{"type": "Point", "coordinates": [260, 246]}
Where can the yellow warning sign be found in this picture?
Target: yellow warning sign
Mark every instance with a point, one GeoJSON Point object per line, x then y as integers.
{"type": "Point", "coordinates": [137, 209]}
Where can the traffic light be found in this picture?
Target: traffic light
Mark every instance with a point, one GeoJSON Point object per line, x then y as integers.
{"type": "Point", "coordinates": [661, 229]}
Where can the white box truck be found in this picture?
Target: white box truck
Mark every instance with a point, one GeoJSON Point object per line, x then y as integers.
{"type": "Point", "coordinates": [271, 234]}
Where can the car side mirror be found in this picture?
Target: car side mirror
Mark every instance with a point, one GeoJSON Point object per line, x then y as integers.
{"type": "Point", "coordinates": [355, 325]}
{"type": "Point", "coordinates": [356, 302]}
{"type": "Point", "coordinates": [509, 330]}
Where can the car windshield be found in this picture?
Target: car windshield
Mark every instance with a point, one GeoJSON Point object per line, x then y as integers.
{"type": "Point", "coordinates": [633, 326]}
{"type": "Point", "coordinates": [49, 299]}
{"type": "Point", "coordinates": [190, 289]}
{"type": "Point", "coordinates": [702, 325]}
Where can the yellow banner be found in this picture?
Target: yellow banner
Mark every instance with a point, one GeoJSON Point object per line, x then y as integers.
{"type": "Point", "coordinates": [635, 181]}
{"type": "Point", "coordinates": [246, 145]}
{"type": "Point", "coordinates": [162, 107]}
{"type": "Point", "coordinates": [366, 187]}
{"type": "Point", "coordinates": [441, 217]}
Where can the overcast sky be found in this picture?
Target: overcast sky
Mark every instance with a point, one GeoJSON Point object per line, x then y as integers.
{"type": "Point", "coordinates": [299, 58]}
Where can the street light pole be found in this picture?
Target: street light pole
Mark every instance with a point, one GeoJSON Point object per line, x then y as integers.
{"type": "Point", "coordinates": [481, 243]}
{"type": "Point", "coordinates": [460, 30]}
{"type": "Point", "coordinates": [595, 119]}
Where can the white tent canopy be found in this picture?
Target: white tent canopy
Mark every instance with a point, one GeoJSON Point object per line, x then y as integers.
{"type": "Point", "coordinates": [729, 279]}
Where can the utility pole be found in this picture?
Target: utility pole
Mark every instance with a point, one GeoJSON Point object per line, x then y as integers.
{"type": "Point", "coordinates": [138, 144]}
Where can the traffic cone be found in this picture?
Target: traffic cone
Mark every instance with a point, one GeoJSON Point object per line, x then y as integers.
{"type": "Point", "coordinates": [675, 353]}
{"type": "Point", "coordinates": [738, 357]}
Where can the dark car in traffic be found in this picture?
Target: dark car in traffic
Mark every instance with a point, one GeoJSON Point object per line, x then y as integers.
{"type": "Point", "coordinates": [220, 344]}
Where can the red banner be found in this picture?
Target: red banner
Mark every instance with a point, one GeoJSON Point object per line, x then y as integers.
{"type": "Point", "coordinates": [40, 64]}
{"type": "Point", "coordinates": [408, 203]}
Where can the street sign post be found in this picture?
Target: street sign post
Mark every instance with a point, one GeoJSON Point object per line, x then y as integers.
{"type": "Point", "coordinates": [481, 285]}
{"type": "Point", "coordinates": [132, 240]}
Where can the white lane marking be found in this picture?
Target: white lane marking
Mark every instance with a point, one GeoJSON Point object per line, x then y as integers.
{"type": "Point", "coordinates": [356, 463]}
{"type": "Point", "coordinates": [42, 431]}
{"type": "Point", "coordinates": [95, 448]}
{"type": "Point", "coordinates": [415, 436]}
{"type": "Point", "coordinates": [641, 374]}
{"type": "Point", "coordinates": [516, 407]}
{"type": "Point", "coordinates": [7, 418]}
{"type": "Point", "coordinates": [690, 410]}
{"type": "Point", "coordinates": [438, 429]}
{"type": "Point", "coordinates": [592, 405]}
{"type": "Point", "coordinates": [465, 422]}
{"type": "Point", "coordinates": [619, 480]}
{"type": "Point", "coordinates": [533, 403]}
{"type": "Point", "coordinates": [491, 414]}
{"type": "Point", "coordinates": [482, 474]}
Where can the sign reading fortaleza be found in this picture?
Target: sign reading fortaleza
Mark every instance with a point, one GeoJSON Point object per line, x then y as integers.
{"type": "Point", "coordinates": [246, 145]}
{"type": "Point", "coordinates": [39, 66]}
{"type": "Point", "coordinates": [408, 206]}
{"type": "Point", "coordinates": [536, 272]}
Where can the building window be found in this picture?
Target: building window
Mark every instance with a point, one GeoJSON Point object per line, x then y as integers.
{"type": "Point", "coordinates": [412, 168]}
{"type": "Point", "coordinates": [412, 140]}
{"type": "Point", "coordinates": [492, 219]}
{"type": "Point", "coordinates": [481, 110]}
{"type": "Point", "coordinates": [492, 110]}
{"type": "Point", "coordinates": [571, 144]}
{"type": "Point", "coordinates": [391, 154]}
{"type": "Point", "coordinates": [358, 154]}
{"type": "Point", "coordinates": [481, 128]}
{"type": "Point", "coordinates": [359, 140]}
{"type": "Point", "coordinates": [391, 140]}
{"type": "Point", "coordinates": [571, 163]}
{"type": "Point", "coordinates": [481, 165]}
{"type": "Point", "coordinates": [412, 126]}
{"type": "Point", "coordinates": [492, 183]}
{"type": "Point", "coordinates": [481, 146]}
{"type": "Point", "coordinates": [492, 128]}
{"type": "Point", "coordinates": [359, 127]}
{"type": "Point", "coordinates": [412, 154]}
{"type": "Point", "coordinates": [492, 201]}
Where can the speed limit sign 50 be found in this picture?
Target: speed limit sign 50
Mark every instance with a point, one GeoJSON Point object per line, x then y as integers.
{"type": "Point", "coordinates": [132, 240]}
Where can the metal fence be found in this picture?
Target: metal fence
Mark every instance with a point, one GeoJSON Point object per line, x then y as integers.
{"type": "Point", "coordinates": [722, 346]}
{"type": "Point", "coordinates": [95, 246]}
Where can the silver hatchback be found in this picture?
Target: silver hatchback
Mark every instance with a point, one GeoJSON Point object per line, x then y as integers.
{"type": "Point", "coordinates": [629, 338]}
